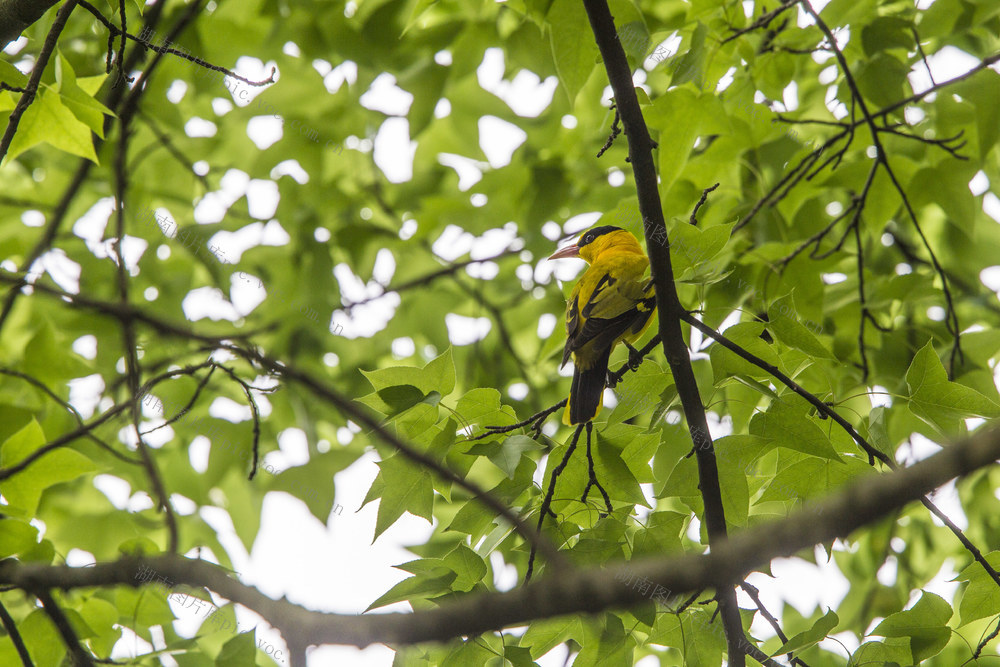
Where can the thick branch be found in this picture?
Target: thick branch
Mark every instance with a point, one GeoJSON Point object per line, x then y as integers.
{"type": "Point", "coordinates": [17, 15]}
{"type": "Point", "coordinates": [669, 307]}
{"type": "Point", "coordinates": [591, 591]}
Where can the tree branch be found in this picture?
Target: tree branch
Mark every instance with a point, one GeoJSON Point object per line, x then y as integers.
{"type": "Point", "coordinates": [15, 637]}
{"type": "Point", "coordinates": [363, 418]}
{"type": "Point", "coordinates": [882, 157]}
{"type": "Point", "coordinates": [66, 631]}
{"type": "Point", "coordinates": [17, 15]}
{"type": "Point", "coordinates": [640, 146]}
{"type": "Point", "coordinates": [589, 591]}
{"type": "Point", "coordinates": [28, 96]}
{"type": "Point", "coordinates": [826, 410]}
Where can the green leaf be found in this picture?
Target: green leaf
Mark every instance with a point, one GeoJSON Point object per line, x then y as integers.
{"type": "Point", "coordinates": [726, 364]}
{"type": "Point", "coordinates": [787, 427]}
{"type": "Point", "coordinates": [16, 536]}
{"type": "Point", "coordinates": [613, 648]}
{"type": "Point", "coordinates": [508, 455]}
{"type": "Point", "coordinates": [575, 58]}
{"type": "Point", "coordinates": [311, 483]}
{"type": "Point", "coordinates": [925, 624]}
{"type": "Point", "coordinates": [43, 357]}
{"type": "Point", "coordinates": [438, 375]}
{"type": "Point", "coordinates": [639, 392]}
{"type": "Point", "coordinates": [699, 640]}
{"type": "Point", "coordinates": [12, 75]}
{"type": "Point", "coordinates": [675, 113]}
{"type": "Point", "coordinates": [41, 639]}
{"type": "Point", "coordinates": [24, 489]}
{"type": "Point", "coordinates": [892, 653]}
{"type": "Point", "coordinates": [76, 99]}
{"type": "Point", "coordinates": [412, 588]}
{"type": "Point", "coordinates": [691, 247]}
{"type": "Point", "coordinates": [819, 630]}
{"type": "Point", "coordinates": [614, 475]}
{"type": "Point", "coordinates": [49, 121]}
{"type": "Point", "coordinates": [981, 597]}
{"type": "Point", "coordinates": [238, 651]}
{"type": "Point", "coordinates": [482, 406]}
{"type": "Point", "coordinates": [407, 488]}
{"type": "Point", "coordinates": [468, 565]}
{"type": "Point", "coordinates": [791, 332]}
{"type": "Point", "coordinates": [936, 400]}
{"type": "Point", "coordinates": [813, 478]}
{"type": "Point", "coordinates": [661, 534]}
{"type": "Point", "coordinates": [691, 65]}
{"type": "Point", "coordinates": [400, 397]}
{"type": "Point", "coordinates": [882, 79]}
{"type": "Point", "coordinates": [735, 492]}
{"type": "Point", "coordinates": [544, 635]}
{"type": "Point", "coordinates": [887, 32]}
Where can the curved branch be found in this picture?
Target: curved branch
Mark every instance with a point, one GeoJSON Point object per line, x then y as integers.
{"type": "Point", "coordinates": [587, 590]}
{"type": "Point", "coordinates": [448, 270]}
{"type": "Point", "coordinates": [363, 418]}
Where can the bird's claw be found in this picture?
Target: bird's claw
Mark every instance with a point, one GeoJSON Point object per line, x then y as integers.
{"type": "Point", "coordinates": [634, 357]}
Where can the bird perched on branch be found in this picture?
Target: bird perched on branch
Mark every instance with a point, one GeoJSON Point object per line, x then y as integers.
{"type": "Point", "coordinates": [612, 302]}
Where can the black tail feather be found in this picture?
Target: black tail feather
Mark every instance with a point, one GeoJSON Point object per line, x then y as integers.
{"type": "Point", "coordinates": [588, 389]}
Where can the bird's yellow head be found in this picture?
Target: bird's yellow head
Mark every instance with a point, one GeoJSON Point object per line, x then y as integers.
{"type": "Point", "coordinates": [597, 240]}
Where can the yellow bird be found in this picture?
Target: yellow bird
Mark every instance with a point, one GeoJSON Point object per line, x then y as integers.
{"type": "Point", "coordinates": [612, 302]}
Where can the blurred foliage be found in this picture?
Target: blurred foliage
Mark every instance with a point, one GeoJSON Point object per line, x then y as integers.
{"type": "Point", "coordinates": [712, 104]}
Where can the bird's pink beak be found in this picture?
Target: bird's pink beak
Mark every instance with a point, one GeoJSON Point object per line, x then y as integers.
{"type": "Point", "coordinates": [569, 251]}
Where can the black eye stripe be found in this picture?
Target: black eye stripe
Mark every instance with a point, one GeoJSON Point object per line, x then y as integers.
{"type": "Point", "coordinates": [589, 237]}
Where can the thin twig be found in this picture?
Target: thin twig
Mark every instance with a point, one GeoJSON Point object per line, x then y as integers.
{"type": "Point", "coordinates": [15, 637]}
{"type": "Point", "coordinates": [592, 473]}
{"type": "Point", "coordinates": [704, 197]}
{"type": "Point", "coordinates": [254, 412]}
{"type": "Point", "coordinates": [754, 594]}
{"type": "Point", "coordinates": [986, 640]}
{"type": "Point", "coordinates": [763, 21]}
{"type": "Point", "coordinates": [28, 96]}
{"type": "Point", "coordinates": [65, 629]}
{"type": "Point", "coordinates": [615, 131]}
{"type": "Point", "coordinates": [162, 50]}
{"type": "Point", "coordinates": [824, 409]}
{"type": "Point", "coordinates": [547, 501]}
{"type": "Point", "coordinates": [883, 158]}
